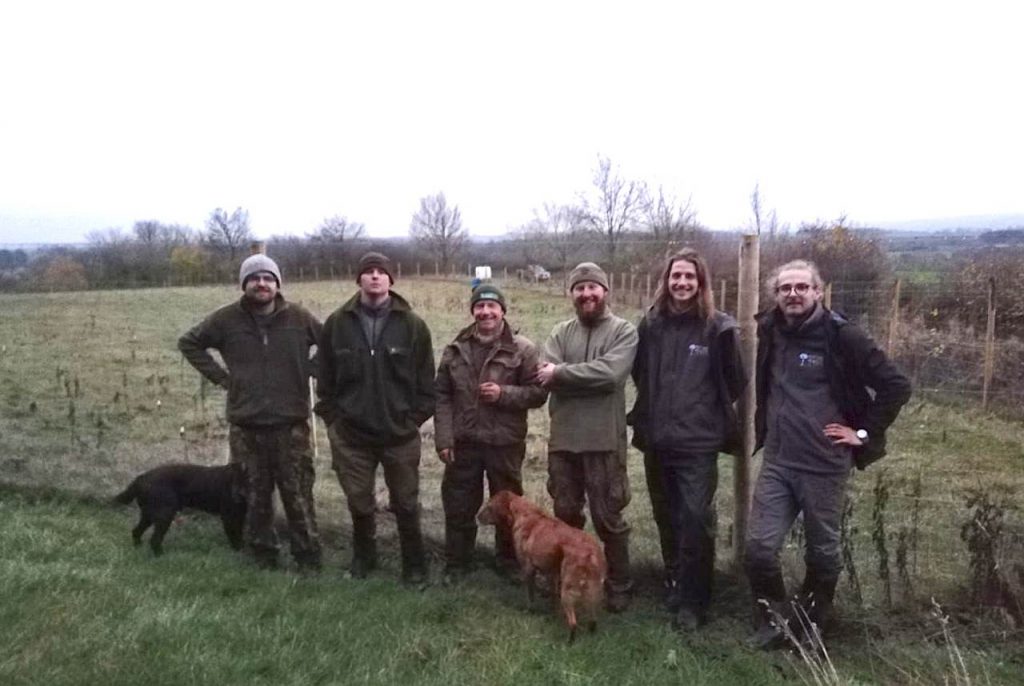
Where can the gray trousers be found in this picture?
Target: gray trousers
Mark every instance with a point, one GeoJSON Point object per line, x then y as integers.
{"type": "Point", "coordinates": [780, 495]}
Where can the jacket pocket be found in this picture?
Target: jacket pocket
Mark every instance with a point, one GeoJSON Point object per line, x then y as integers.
{"type": "Point", "coordinates": [400, 362]}
{"type": "Point", "coordinates": [346, 365]}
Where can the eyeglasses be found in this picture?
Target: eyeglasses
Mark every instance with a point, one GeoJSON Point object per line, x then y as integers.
{"type": "Point", "coordinates": [798, 288]}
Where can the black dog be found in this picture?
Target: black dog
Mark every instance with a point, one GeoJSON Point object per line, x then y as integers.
{"type": "Point", "coordinates": [166, 490]}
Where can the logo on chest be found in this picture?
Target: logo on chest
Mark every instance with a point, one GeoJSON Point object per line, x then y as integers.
{"type": "Point", "coordinates": [698, 350]}
{"type": "Point", "coordinates": [810, 360]}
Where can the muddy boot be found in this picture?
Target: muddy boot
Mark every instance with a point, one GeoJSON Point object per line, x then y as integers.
{"type": "Point", "coordinates": [364, 546]}
{"type": "Point", "coordinates": [458, 554]}
{"type": "Point", "coordinates": [771, 612]}
{"type": "Point", "coordinates": [815, 600]}
{"type": "Point", "coordinates": [414, 558]}
{"type": "Point", "coordinates": [619, 587]}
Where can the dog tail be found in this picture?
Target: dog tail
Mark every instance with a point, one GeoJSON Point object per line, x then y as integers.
{"type": "Point", "coordinates": [127, 495]}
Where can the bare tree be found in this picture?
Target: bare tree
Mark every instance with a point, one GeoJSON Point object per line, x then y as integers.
{"type": "Point", "coordinates": [559, 230]}
{"type": "Point", "coordinates": [762, 224]}
{"type": "Point", "coordinates": [147, 231]}
{"type": "Point", "coordinates": [340, 237]}
{"type": "Point", "coordinates": [438, 229]}
{"type": "Point", "coordinates": [669, 221]}
{"type": "Point", "coordinates": [228, 232]}
{"type": "Point", "coordinates": [616, 206]}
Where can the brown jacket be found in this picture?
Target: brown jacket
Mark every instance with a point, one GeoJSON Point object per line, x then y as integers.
{"type": "Point", "coordinates": [460, 415]}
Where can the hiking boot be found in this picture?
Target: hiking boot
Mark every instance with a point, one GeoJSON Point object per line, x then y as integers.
{"type": "Point", "coordinates": [769, 636]}
{"type": "Point", "coordinates": [364, 547]}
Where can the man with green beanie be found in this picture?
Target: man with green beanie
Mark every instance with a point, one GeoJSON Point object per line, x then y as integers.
{"type": "Point", "coordinates": [376, 387]}
{"type": "Point", "coordinates": [265, 343]}
{"type": "Point", "coordinates": [485, 386]}
{"type": "Point", "coordinates": [587, 361]}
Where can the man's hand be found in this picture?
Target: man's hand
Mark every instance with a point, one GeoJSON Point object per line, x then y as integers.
{"type": "Point", "coordinates": [446, 455]}
{"type": "Point", "coordinates": [489, 392]}
{"type": "Point", "coordinates": [545, 373]}
{"type": "Point", "coordinates": [842, 435]}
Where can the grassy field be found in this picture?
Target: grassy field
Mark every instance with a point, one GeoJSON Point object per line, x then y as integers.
{"type": "Point", "coordinates": [92, 391]}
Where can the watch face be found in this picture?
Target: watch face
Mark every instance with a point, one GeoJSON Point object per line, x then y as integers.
{"type": "Point", "coordinates": [862, 434]}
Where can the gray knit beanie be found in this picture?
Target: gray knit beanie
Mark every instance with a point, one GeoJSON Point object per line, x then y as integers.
{"type": "Point", "coordinates": [258, 263]}
{"type": "Point", "coordinates": [588, 271]}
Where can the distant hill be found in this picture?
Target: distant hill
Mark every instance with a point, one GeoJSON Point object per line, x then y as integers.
{"type": "Point", "coordinates": [971, 223]}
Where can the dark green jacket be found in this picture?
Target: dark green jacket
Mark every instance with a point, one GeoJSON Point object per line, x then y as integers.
{"type": "Point", "coordinates": [267, 375]}
{"type": "Point", "coordinates": [461, 417]}
{"type": "Point", "coordinates": [377, 396]}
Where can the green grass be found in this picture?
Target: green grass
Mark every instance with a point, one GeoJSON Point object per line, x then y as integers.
{"type": "Point", "coordinates": [88, 608]}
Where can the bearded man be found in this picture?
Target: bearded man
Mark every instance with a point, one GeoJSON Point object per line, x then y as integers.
{"type": "Point", "coordinates": [265, 343]}
{"type": "Point", "coordinates": [587, 361]}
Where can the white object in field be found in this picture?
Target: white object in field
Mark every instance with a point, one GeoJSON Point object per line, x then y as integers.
{"type": "Point", "coordinates": [483, 272]}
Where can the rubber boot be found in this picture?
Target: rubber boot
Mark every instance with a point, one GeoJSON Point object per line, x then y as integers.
{"type": "Point", "coordinates": [364, 546]}
{"type": "Point", "coordinates": [620, 583]}
{"type": "Point", "coordinates": [414, 558]}
{"type": "Point", "coordinates": [459, 545]}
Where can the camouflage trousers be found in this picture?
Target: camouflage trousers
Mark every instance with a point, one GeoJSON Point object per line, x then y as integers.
{"type": "Point", "coordinates": [278, 456]}
{"type": "Point", "coordinates": [600, 480]}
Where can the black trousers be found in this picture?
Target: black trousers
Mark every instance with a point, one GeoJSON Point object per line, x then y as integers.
{"type": "Point", "coordinates": [690, 481]}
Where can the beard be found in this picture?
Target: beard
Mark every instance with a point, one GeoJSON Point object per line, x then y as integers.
{"type": "Point", "coordinates": [589, 317]}
{"type": "Point", "coordinates": [258, 298]}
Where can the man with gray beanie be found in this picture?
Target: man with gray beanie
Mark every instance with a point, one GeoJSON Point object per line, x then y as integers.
{"type": "Point", "coordinates": [375, 388]}
{"type": "Point", "coordinates": [485, 388]}
{"type": "Point", "coordinates": [587, 361]}
{"type": "Point", "coordinates": [266, 344]}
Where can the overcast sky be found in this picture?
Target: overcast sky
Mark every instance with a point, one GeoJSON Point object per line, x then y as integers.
{"type": "Point", "coordinates": [111, 112]}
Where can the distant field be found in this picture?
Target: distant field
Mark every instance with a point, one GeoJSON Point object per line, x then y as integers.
{"type": "Point", "coordinates": [93, 390]}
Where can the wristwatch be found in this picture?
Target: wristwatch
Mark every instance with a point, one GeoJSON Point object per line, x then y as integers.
{"type": "Point", "coordinates": [862, 434]}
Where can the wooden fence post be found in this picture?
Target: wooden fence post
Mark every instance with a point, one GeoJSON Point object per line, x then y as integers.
{"type": "Point", "coordinates": [894, 318]}
{"type": "Point", "coordinates": [418, 269]}
{"type": "Point", "coordinates": [647, 291]}
{"type": "Point", "coordinates": [828, 295]}
{"type": "Point", "coordinates": [746, 308]}
{"type": "Point", "coordinates": [990, 344]}
{"type": "Point", "coordinates": [398, 266]}
{"type": "Point", "coordinates": [721, 297]}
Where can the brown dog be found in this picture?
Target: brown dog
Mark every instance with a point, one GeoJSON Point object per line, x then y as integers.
{"type": "Point", "coordinates": [166, 490]}
{"type": "Point", "coordinates": [583, 573]}
{"type": "Point", "coordinates": [570, 557]}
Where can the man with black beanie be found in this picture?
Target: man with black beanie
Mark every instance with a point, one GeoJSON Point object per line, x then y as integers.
{"type": "Point", "coordinates": [375, 388]}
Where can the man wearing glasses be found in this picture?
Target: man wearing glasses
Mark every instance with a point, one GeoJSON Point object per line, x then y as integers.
{"type": "Point", "coordinates": [265, 343]}
{"type": "Point", "coordinates": [825, 396]}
